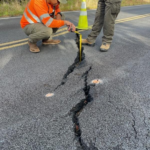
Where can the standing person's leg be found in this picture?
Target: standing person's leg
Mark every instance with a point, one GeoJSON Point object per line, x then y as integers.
{"type": "Point", "coordinates": [36, 32]}
{"type": "Point", "coordinates": [98, 24]}
{"type": "Point", "coordinates": [112, 10]}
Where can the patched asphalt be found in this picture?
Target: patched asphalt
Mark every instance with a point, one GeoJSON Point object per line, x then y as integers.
{"type": "Point", "coordinates": [118, 115]}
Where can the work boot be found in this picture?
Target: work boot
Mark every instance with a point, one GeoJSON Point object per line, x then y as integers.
{"type": "Point", "coordinates": [46, 42]}
{"type": "Point", "coordinates": [86, 42]}
{"type": "Point", "coordinates": [33, 47]}
{"type": "Point", "coordinates": [105, 47]}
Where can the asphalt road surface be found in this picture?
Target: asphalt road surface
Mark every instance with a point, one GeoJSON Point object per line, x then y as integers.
{"type": "Point", "coordinates": [76, 114]}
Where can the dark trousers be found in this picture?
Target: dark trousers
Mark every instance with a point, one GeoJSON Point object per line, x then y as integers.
{"type": "Point", "coordinates": [106, 14]}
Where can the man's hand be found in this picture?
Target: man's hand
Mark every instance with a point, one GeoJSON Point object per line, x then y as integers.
{"type": "Point", "coordinates": [58, 17]}
{"type": "Point", "coordinates": [71, 26]}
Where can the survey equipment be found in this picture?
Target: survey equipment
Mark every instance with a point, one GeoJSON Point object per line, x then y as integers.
{"type": "Point", "coordinates": [79, 44]}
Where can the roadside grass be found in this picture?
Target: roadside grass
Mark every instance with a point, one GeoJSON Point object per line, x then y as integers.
{"type": "Point", "coordinates": [14, 8]}
{"type": "Point", "coordinates": [76, 5]}
{"type": "Point", "coordinates": [134, 2]}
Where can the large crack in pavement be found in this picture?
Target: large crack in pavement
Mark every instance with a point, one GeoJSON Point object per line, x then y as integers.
{"type": "Point", "coordinates": [71, 68]}
{"type": "Point", "coordinates": [76, 110]}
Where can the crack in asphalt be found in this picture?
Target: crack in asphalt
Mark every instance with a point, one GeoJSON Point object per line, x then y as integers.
{"type": "Point", "coordinates": [133, 119]}
{"type": "Point", "coordinates": [71, 68]}
{"type": "Point", "coordinates": [76, 110]}
{"type": "Point", "coordinates": [133, 126]}
{"type": "Point", "coordinates": [134, 129]}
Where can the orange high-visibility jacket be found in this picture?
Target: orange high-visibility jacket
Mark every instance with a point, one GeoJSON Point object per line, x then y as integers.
{"type": "Point", "coordinates": [37, 11]}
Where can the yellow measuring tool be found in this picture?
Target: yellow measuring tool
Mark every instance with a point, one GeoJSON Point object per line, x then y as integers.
{"type": "Point", "coordinates": [79, 44]}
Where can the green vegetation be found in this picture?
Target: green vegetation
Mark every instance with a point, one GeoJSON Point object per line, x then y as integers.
{"type": "Point", "coordinates": [15, 8]}
{"type": "Point", "coordinates": [76, 5]}
{"type": "Point", "coordinates": [134, 2]}
{"type": "Point", "coordinates": [12, 8]}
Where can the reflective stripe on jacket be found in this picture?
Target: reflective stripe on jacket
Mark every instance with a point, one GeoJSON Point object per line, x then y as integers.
{"type": "Point", "coordinates": [38, 11]}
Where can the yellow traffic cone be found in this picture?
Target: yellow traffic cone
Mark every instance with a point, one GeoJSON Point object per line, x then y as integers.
{"type": "Point", "coordinates": [83, 21]}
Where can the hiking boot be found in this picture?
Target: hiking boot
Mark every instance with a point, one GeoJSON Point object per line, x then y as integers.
{"type": "Point", "coordinates": [46, 42]}
{"type": "Point", "coordinates": [105, 47]}
{"type": "Point", "coordinates": [86, 42]}
{"type": "Point", "coordinates": [33, 47]}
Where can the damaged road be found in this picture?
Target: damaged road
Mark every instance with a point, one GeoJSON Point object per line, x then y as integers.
{"type": "Point", "coordinates": [112, 115]}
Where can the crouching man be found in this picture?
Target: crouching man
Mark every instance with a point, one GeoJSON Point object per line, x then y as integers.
{"type": "Point", "coordinates": [41, 19]}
